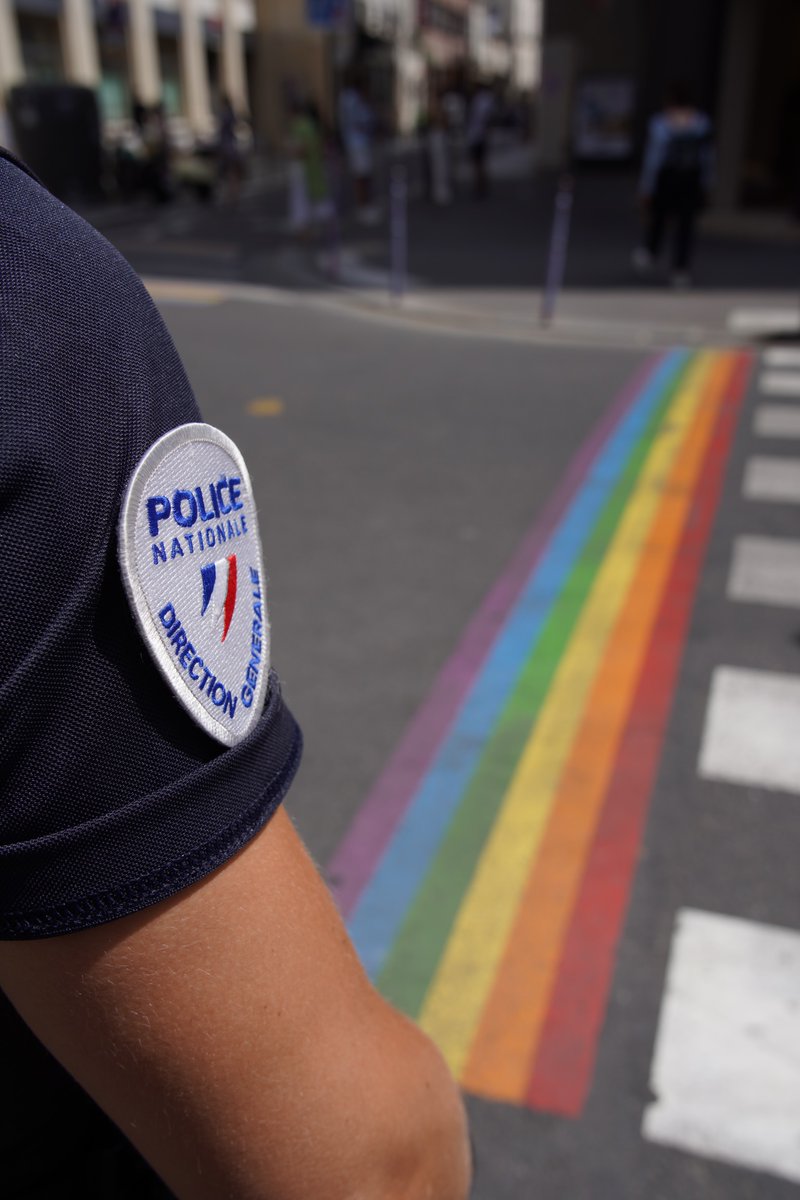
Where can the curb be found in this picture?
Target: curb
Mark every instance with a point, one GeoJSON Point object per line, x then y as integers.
{"type": "Point", "coordinates": [419, 313]}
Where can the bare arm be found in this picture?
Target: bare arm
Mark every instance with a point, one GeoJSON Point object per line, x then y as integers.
{"type": "Point", "coordinates": [232, 1035]}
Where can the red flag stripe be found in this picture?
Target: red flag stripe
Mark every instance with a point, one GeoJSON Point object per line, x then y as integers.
{"type": "Point", "coordinates": [230, 595]}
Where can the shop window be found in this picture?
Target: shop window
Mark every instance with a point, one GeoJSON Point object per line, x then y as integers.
{"type": "Point", "coordinates": [114, 93]}
{"type": "Point", "coordinates": [40, 43]}
{"type": "Point", "coordinates": [169, 61]}
{"type": "Point", "coordinates": [114, 97]}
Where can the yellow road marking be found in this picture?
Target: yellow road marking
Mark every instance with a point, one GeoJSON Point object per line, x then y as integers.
{"type": "Point", "coordinates": [184, 293]}
{"type": "Point", "coordinates": [266, 406]}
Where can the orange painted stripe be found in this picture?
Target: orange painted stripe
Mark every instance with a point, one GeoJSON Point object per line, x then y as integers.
{"type": "Point", "coordinates": [508, 1034]}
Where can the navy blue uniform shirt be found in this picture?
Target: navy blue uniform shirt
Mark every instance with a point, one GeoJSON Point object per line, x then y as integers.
{"type": "Point", "coordinates": [111, 797]}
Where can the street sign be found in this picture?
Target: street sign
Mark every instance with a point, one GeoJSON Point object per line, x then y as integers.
{"type": "Point", "coordinates": [324, 14]}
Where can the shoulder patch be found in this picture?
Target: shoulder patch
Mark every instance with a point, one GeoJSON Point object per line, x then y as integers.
{"type": "Point", "coordinates": [190, 556]}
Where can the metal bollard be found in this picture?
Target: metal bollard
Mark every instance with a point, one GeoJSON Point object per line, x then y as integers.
{"type": "Point", "coordinates": [334, 228]}
{"type": "Point", "coordinates": [398, 231]}
{"type": "Point", "coordinates": [559, 243]}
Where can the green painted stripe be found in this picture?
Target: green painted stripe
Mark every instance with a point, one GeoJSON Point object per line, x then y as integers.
{"type": "Point", "coordinates": [423, 935]}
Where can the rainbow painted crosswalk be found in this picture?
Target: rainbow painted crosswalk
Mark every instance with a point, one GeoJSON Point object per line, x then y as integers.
{"type": "Point", "coordinates": [487, 876]}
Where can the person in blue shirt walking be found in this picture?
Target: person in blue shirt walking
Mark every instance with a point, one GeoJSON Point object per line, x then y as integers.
{"type": "Point", "coordinates": [674, 183]}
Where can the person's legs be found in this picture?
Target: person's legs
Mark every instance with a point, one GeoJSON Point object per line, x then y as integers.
{"type": "Point", "coordinates": [360, 159]}
{"type": "Point", "coordinates": [298, 197]}
{"type": "Point", "coordinates": [440, 182]}
{"type": "Point", "coordinates": [683, 248]}
{"type": "Point", "coordinates": [656, 223]}
{"type": "Point", "coordinates": [480, 177]}
{"type": "Point", "coordinates": [361, 187]}
{"type": "Point", "coordinates": [483, 171]}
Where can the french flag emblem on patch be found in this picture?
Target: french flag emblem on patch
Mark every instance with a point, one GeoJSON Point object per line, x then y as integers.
{"type": "Point", "coordinates": [219, 591]}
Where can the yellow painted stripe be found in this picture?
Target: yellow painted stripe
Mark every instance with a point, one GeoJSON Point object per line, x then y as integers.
{"type": "Point", "coordinates": [504, 1046]}
{"type": "Point", "coordinates": [184, 292]}
{"type": "Point", "coordinates": [458, 992]}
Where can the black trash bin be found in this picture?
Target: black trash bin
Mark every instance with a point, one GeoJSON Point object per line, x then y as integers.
{"type": "Point", "coordinates": [57, 133]}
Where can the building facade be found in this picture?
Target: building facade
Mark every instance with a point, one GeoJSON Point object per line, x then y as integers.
{"type": "Point", "coordinates": [607, 65]}
{"type": "Point", "coordinates": [183, 54]}
{"type": "Point", "coordinates": [402, 50]}
{"type": "Point", "coordinates": [262, 53]}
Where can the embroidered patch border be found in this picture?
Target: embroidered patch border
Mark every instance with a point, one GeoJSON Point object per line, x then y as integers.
{"type": "Point", "coordinates": [202, 610]}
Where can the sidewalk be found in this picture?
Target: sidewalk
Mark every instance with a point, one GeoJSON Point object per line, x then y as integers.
{"type": "Point", "coordinates": [478, 266]}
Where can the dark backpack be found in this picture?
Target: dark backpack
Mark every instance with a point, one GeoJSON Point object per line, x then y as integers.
{"type": "Point", "coordinates": [686, 152]}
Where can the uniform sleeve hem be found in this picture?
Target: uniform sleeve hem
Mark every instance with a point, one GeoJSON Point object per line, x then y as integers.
{"type": "Point", "coordinates": [112, 903]}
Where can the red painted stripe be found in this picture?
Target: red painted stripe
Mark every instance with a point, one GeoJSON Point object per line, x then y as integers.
{"type": "Point", "coordinates": [564, 1065]}
{"type": "Point", "coordinates": [230, 595]}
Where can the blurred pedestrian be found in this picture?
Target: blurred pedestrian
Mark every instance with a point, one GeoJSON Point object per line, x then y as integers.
{"type": "Point", "coordinates": [357, 128]}
{"type": "Point", "coordinates": [455, 111]}
{"type": "Point", "coordinates": [297, 195]}
{"type": "Point", "coordinates": [454, 104]}
{"type": "Point", "coordinates": [674, 184]}
{"type": "Point", "coordinates": [479, 120]}
{"type": "Point", "coordinates": [438, 150]}
{"type": "Point", "coordinates": [158, 154]}
{"type": "Point", "coordinates": [229, 153]}
{"type": "Point", "coordinates": [139, 114]}
{"type": "Point", "coordinates": [310, 205]}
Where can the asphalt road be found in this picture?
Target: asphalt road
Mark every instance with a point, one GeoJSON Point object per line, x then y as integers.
{"type": "Point", "coordinates": [395, 480]}
{"type": "Point", "coordinates": [392, 491]}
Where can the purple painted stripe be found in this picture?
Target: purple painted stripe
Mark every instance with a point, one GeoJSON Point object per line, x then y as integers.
{"type": "Point", "coordinates": [352, 865]}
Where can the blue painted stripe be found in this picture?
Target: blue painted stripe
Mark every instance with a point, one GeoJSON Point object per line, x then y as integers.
{"type": "Point", "coordinates": [378, 916]}
{"type": "Point", "coordinates": [209, 577]}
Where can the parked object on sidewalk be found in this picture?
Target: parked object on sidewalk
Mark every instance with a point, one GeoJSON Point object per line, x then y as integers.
{"type": "Point", "coordinates": [194, 171]}
{"type": "Point", "coordinates": [674, 183]}
{"type": "Point", "coordinates": [56, 129]}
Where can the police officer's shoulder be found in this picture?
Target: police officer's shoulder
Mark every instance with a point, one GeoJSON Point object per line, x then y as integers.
{"type": "Point", "coordinates": [112, 791]}
{"type": "Point", "coordinates": [79, 327]}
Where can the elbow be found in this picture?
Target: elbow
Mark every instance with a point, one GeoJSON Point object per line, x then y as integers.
{"type": "Point", "coordinates": [426, 1153]}
{"type": "Point", "coordinates": [437, 1164]}
{"type": "Point", "coordinates": [393, 1124]}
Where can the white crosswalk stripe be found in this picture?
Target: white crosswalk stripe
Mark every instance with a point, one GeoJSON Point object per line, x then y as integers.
{"type": "Point", "coordinates": [767, 478]}
{"type": "Point", "coordinates": [751, 729]}
{"type": "Point", "coordinates": [726, 1068]}
{"type": "Point", "coordinates": [782, 356]}
{"type": "Point", "coordinates": [725, 1071]}
{"type": "Point", "coordinates": [765, 570]}
{"type": "Point", "coordinates": [776, 421]}
{"type": "Point", "coordinates": [780, 383]}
